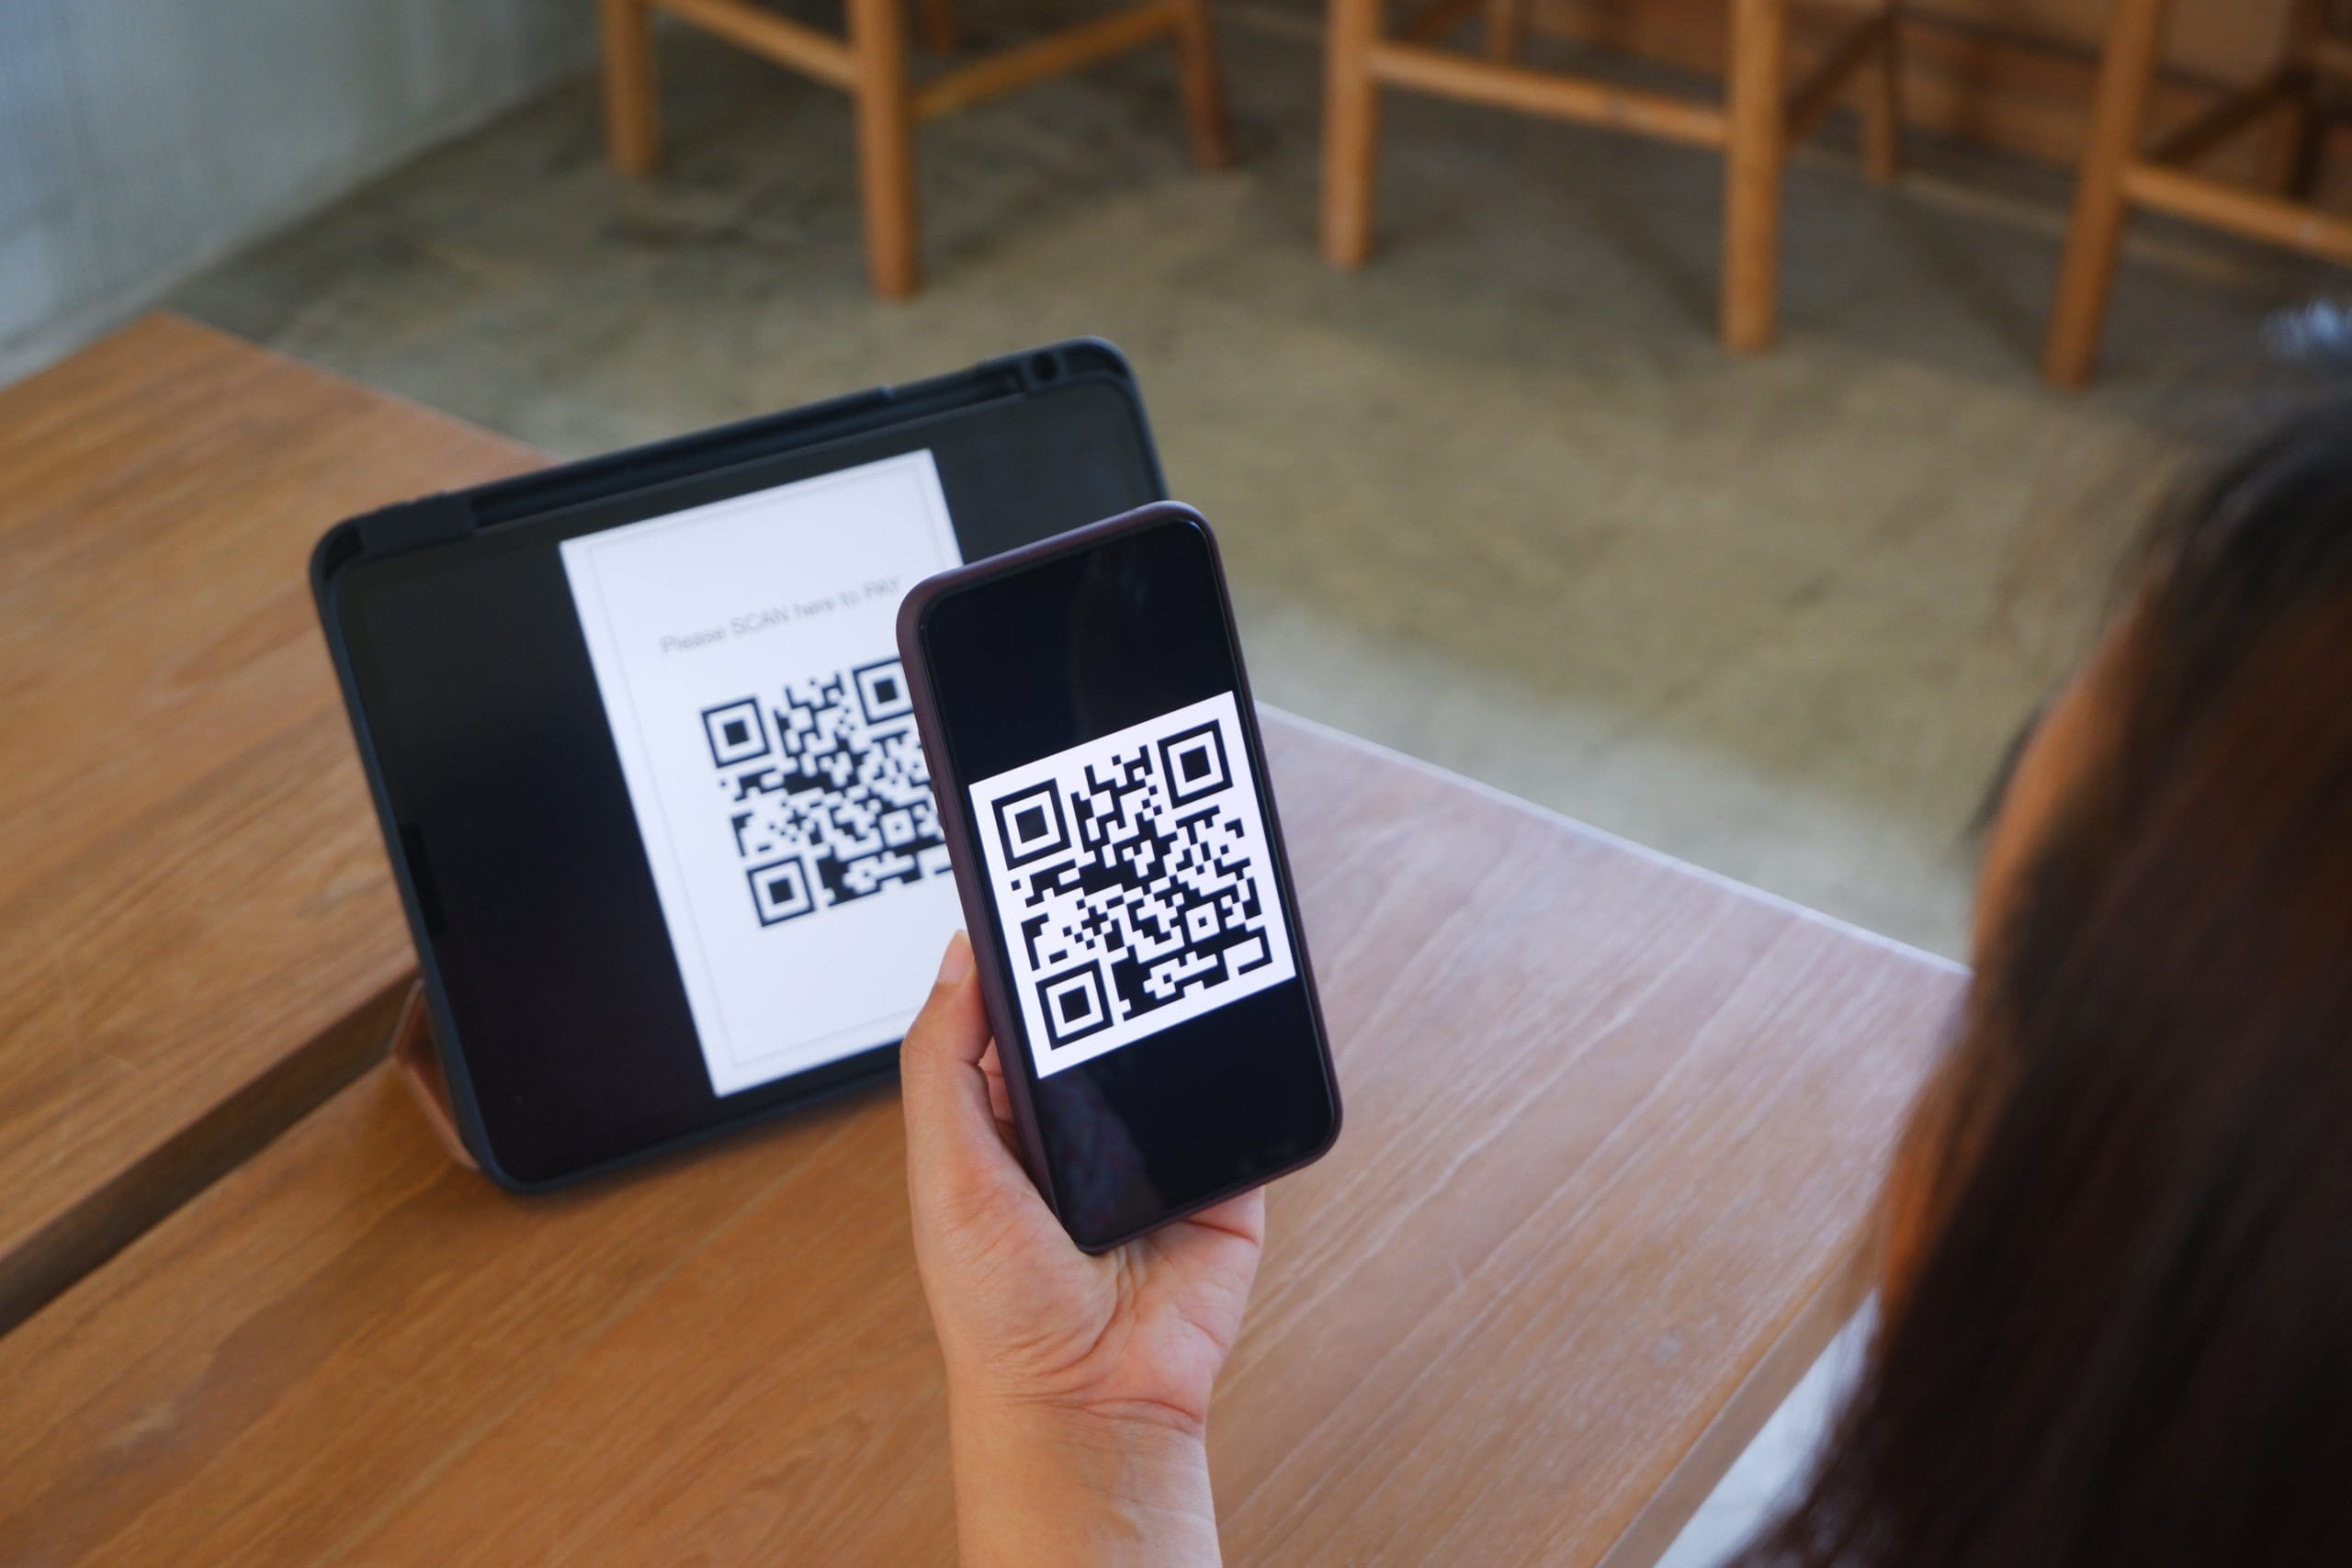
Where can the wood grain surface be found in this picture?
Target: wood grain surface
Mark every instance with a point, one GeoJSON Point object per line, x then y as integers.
{"type": "Point", "coordinates": [1613, 1133]}
{"type": "Point", "coordinates": [198, 939]}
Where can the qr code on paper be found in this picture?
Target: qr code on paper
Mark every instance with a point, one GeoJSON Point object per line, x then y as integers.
{"type": "Point", "coordinates": [1130, 880]}
{"type": "Point", "coordinates": [827, 791]}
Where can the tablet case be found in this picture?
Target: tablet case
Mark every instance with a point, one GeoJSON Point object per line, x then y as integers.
{"type": "Point", "coordinates": [427, 1047]}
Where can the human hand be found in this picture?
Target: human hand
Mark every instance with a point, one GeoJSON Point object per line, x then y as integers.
{"type": "Point", "coordinates": [1074, 1381]}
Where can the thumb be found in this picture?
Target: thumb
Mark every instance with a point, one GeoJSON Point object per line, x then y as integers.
{"type": "Point", "coordinates": [955, 1153]}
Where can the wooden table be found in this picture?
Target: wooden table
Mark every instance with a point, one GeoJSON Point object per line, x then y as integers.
{"type": "Point", "coordinates": [199, 938]}
{"type": "Point", "coordinates": [1613, 1128]}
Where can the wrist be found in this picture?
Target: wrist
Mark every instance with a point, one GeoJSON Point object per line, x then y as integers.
{"type": "Point", "coordinates": [1041, 1485]}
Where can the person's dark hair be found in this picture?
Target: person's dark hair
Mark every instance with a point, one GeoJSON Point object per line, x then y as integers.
{"type": "Point", "coordinates": [2128, 1338]}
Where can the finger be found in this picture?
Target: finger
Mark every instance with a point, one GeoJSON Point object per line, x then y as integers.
{"type": "Point", "coordinates": [1244, 1216]}
{"type": "Point", "coordinates": [1221, 1243]}
{"type": "Point", "coordinates": [952, 1146]}
{"type": "Point", "coordinates": [1000, 1102]}
{"type": "Point", "coordinates": [952, 1026]}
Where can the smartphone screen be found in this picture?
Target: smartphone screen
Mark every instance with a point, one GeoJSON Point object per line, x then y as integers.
{"type": "Point", "coordinates": [1139, 911]}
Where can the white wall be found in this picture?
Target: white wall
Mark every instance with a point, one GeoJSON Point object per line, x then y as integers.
{"type": "Point", "coordinates": [141, 139]}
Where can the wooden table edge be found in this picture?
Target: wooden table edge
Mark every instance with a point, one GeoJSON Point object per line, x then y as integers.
{"type": "Point", "coordinates": [179, 319]}
{"type": "Point", "coordinates": [1808, 1334]}
{"type": "Point", "coordinates": [1501, 797]}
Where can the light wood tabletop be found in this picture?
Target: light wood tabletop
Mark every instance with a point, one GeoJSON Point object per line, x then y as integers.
{"type": "Point", "coordinates": [1613, 1132]}
{"type": "Point", "coordinates": [198, 939]}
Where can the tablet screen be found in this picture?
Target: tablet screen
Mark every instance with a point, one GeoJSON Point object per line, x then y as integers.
{"type": "Point", "coordinates": [746, 656]}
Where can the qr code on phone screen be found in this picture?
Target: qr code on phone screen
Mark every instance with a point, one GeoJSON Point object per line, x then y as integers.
{"type": "Point", "coordinates": [827, 790]}
{"type": "Point", "coordinates": [1132, 883]}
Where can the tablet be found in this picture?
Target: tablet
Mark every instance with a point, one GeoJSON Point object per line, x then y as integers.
{"type": "Point", "coordinates": [644, 757]}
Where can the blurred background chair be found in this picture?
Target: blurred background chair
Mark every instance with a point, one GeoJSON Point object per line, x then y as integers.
{"type": "Point", "coordinates": [871, 65]}
{"type": "Point", "coordinates": [1754, 129]}
{"type": "Point", "coordinates": [2119, 173]}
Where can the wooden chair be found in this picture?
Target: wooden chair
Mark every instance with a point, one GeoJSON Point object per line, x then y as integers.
{"type": "Point", "coordinates": [1754, 130]}
{"type": "Point", "coordinates": [2118, 177]}
{"type": "Point", "coordinates": [870, 64]}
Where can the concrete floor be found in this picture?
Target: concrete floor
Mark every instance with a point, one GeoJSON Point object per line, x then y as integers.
{"type": "Point", "coordinates": [1497, 499]}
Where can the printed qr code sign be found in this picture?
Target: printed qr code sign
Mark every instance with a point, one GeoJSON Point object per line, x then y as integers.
{"type": "Point", "coordinates": [829, 792]}
{"type": "Point", "coordinates": [780, 891]}
{"type": "Point", "coordinates": [1130, 880]}
{"type": "Point", "coordinates": [735, 732]}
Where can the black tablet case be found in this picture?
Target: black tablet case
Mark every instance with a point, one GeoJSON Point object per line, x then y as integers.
{"type": "Point", "coordinates": [452, 519]}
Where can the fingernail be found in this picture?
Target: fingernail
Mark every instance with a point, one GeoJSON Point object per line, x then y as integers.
{"type": "Point", "coordinates": [958, 960]}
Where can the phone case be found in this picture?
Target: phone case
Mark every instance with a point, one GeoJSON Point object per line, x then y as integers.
{"type": "Point", "coordinates": [964, 847]}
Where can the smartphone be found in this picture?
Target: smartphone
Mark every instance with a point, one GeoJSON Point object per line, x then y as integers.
{"type": "Point", "coordinates": [1104, 797]}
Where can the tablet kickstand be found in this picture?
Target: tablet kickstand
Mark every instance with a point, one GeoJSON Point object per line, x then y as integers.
{"type": "Point", "coordinates": [418, 1063]}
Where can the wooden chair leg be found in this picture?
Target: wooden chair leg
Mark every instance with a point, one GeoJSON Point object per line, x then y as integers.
{"type": "Point", "coordinates": [632, 107]}
{"type": "Point", "coordinates": [886, 163]}
{"type": "Point", "coordinates": [1754, 159]}
{"type": "Point", "coordinates": [1351, 131]}
{"type": "Point", "coordinates": [1206, 123]}
{"type": "Point", "coordinates": [2294, 154]}
{"type": "Point", "coordinates": [936, 22]}
{"type": "Point", "coordinates": [2095, 237]}
{"type": "Point", "coordinates": [2302, 142]}
{"type": "Point", "coordinates": [1881, 87]}
{"type": "Point", "coordinates": [1506, 29]}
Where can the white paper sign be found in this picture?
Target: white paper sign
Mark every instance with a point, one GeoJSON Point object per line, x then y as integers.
{"type": "Point", "coordinates": [748, 658]}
